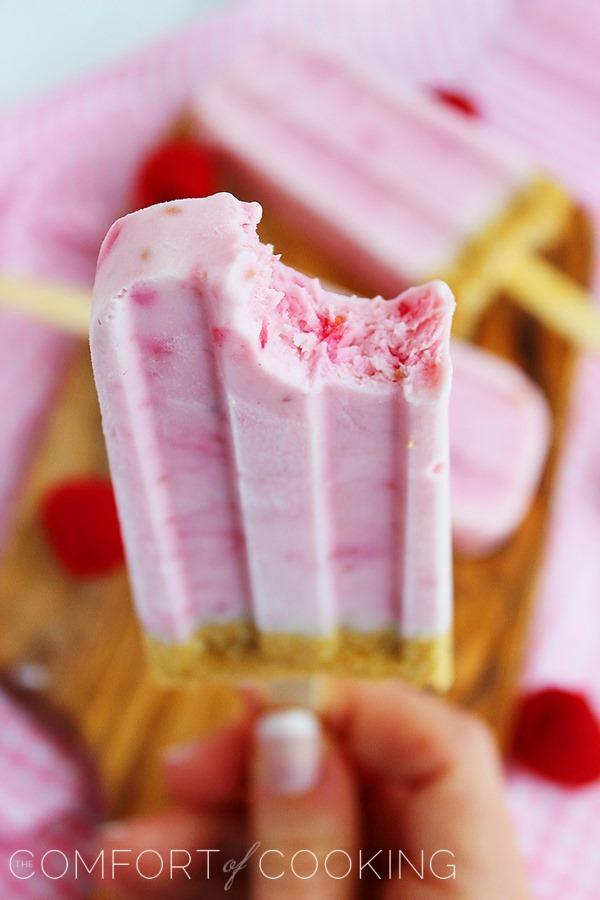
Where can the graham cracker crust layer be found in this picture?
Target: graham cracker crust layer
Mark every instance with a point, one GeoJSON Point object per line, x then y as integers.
{"type": "Point", "coordinates": [233, 651]}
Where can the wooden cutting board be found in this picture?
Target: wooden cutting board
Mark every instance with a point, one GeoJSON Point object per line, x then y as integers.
{"type": "Point", "coordinates": [85, 635]}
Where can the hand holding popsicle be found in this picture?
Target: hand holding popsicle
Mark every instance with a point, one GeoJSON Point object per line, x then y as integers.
{"type": "Point", "coordinates": [389, 769]}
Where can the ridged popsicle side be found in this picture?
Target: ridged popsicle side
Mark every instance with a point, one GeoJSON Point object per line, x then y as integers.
{"type": "Point", "coordinates": [279, 485]}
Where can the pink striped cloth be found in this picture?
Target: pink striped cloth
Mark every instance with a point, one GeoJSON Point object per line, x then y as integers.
{"type": "Point", "coordinates": [66, 163]}
{"type": "Point", "coordinates": [541, 85]}
{"type": "Point", "coordinates": [48, 805]}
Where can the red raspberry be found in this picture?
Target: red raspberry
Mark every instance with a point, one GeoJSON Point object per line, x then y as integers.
{"type": "Point", "coordinates": [79, 517]}
{"type": "Point", "coordinates": [458, 101]}
{"type": "Point", "coordinates": [557, 735]}
{"type": "Point", "coordinates": [176, 169]}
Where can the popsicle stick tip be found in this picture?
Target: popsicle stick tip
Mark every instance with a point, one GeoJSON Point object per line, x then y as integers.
{"type": "Point", "coordinates": [52, 303]}
{"type": "Point", "coordinates": [554, 298]}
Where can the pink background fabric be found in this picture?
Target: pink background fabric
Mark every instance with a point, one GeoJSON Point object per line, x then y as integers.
{"type": "Point", "coordinates": [48, 801]}
{"type": "Point", "coordinates": [66, 164]}
{"type": "Point", "coordinates": [541, 85]}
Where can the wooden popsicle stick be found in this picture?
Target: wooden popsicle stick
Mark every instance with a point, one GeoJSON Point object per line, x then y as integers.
{"type": "Point", "coordinates": [59, 305]}
{"type": "Point", "coordinates": [557, 300]}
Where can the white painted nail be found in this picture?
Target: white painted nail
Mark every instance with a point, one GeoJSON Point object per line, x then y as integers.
{"type": "Point", "coordinates": [178, 754]}
{"type": "Point", "coordinates": [115, 831]}
{"type": "Point", "coordinates": [289, 744]}
{"type": "Point", "coordinates": [31, 676]}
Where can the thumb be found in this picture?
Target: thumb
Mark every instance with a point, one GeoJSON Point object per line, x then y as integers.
{"type": "Point", "coordinates": [304, 811]}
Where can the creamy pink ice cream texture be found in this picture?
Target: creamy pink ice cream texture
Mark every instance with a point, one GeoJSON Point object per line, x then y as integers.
{"type": "Point", "coordinates": [279, 452]}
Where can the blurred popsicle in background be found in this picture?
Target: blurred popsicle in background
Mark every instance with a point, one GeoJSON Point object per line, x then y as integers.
{"type": "Point", "coordinates": [394, 185]}
{"type": "Point", "coordinates": [500, 432]}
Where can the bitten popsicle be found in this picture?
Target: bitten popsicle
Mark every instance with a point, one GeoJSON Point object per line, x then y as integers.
{"type": "Point", "coordinates": [279, 453]}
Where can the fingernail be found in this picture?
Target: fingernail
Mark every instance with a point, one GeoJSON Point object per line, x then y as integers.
{"type": "Point", "coordinates": [179, 753]}
{"type": "Point", "coordinates": [114, 832]}
{"type": "Point", "coordinates": [289, 751]}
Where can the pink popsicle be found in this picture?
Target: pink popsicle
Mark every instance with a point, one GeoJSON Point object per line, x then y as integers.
{"type": "Point", "coordinates": [393, 184]}
{"type": "Point", "coordinates": [499, 439]}
{"type": "Point", "coordinates": [279, 452]}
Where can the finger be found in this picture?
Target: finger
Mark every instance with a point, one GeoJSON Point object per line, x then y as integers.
{"type": "Point", "coordinates": [417, 734]}
{"type": "Point", "coordinates": [304, 811]}
{"type": "Point", "coordinates": [172, 854]}
{"type": "Point", "coordinates": [211, 771]}
{"type": "Point", "coordinates": [441, 794]}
